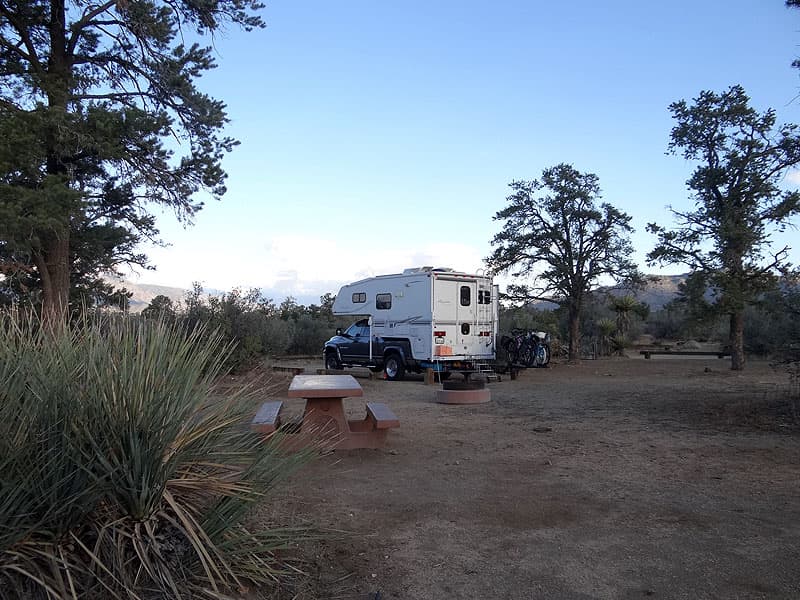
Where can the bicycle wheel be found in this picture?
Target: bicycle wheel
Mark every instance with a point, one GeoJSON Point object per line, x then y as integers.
{"type": "Point", "coordinates": [545, 355]}
{"type": "Point", "coordinates": [527, 355]}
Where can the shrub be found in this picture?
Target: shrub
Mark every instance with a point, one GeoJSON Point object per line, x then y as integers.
{"type": "Point", "coordinates": [604, 330]}
{"type": "Point", "coordinates": [309, 335]}
{"type": "Point", "coordinates": [526, 317]}
{"type": "Point", "coordinates": [275, 336]}
{"type": "Point", "coordinates": [122, 474]}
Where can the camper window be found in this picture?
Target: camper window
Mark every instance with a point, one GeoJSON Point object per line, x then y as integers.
{"type": "Point", "coordinates": [465, 295]}
{"type": "Point", "coordinates": [484, 297]}
{"type": "Point", "coordinates": [383, 301]}
{"type": "Point", "coordinates": [359, 297]}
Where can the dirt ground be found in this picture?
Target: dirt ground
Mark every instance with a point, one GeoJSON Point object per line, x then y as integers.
{"type": "Point", "coordinates": [619, 478]}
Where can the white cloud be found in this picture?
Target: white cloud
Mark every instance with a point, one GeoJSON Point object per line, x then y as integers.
{"type": "Point", "coordinates": [299, 265]}
{"type": "Point", "coordinates": [309, 265]}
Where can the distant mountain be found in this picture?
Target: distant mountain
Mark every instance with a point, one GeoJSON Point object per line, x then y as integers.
{"type": "Point", "coordinates": [659, 290]}
{"type": "Point", "coordinates": [143, 294]}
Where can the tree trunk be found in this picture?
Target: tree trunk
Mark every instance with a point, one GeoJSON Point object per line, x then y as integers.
{"type": "Point", "coordinates": [737, 339]}
{"type": "Point", "coordinates": [53, 259]}
{"type": "Point", "coordinates": [574, 334]}
{"type": "Point", "coordinates": [53, 266]}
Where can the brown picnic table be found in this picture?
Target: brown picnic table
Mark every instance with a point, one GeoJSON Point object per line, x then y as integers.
{"type": "Point", "coordinates": [324, 420]}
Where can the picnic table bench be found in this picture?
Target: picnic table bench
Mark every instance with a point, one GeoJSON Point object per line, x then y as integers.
{"type": "Point", "coordinates": [719, 354]}
{"type": "Point", "coordinates": [267, 418]}
{"type": "Point", "coordinates": [324, 419]}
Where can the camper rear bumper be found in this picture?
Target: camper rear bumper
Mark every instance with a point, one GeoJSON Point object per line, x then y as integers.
{"type": "Point", "coordinates": [453, 365]}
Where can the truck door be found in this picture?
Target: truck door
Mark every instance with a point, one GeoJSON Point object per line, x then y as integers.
{"type": "Point", "coordinates": [357, 348]}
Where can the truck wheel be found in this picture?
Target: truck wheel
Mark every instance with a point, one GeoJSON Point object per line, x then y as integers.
{"type": "Point", "coordinates": [332, 362]}
{"type": "Point", "coordinates": [394, 368]}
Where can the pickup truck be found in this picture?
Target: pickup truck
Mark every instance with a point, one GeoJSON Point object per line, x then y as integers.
{"type": "Point", "coordinates": [352, 348]}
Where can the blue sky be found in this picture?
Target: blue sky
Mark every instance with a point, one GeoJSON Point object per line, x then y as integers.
{"type": "Point", "coordinates": [377, 136]}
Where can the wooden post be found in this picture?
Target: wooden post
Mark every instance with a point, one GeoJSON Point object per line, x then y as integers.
{"type": "Point", "coordinates": [430, 377]}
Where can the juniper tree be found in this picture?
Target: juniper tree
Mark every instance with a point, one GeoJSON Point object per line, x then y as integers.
{"type": "Point", "coordinates": [556, 234]}
{"type": "Point", "coordinates": [100, 119]}
{"type": "Point", "coordinates": [742, 157]}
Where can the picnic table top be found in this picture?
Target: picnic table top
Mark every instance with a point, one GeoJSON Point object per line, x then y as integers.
{"type": "Point", "coordinates": [324, 386]}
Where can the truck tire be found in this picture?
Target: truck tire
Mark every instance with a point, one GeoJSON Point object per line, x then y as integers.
{"type": "Point", "coordinates": [332, 362]}
{"type": "Point", "coordinates": [393, 367]}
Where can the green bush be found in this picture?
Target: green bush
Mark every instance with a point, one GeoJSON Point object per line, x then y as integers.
{"type": "Point", "coordinates": [309, 335]}
{"type": "Point", "coordinates": [253, 325]}
{"type": "Point", "coordinates": [528, 318]}
{"type": "Point", "coordinates": [276, 336]}
{"type": "Point", "coordinates": [122, 473]}
{"type": "Point", "coordinates": [668, 323]}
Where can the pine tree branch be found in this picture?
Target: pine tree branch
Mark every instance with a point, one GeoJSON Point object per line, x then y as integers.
{"type": "Point", "coordinates": [85, 22]}
{"type": "Point", "coordinates": [24, 36]}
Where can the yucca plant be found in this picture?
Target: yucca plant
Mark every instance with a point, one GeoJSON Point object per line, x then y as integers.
{"type": "Point", "coordinates": [606, 329]}
{"type": "Point", "coordinates": [122, 473]}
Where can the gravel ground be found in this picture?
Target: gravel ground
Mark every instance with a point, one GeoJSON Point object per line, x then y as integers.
{"type": "Point", "coordinates": [619, 478]}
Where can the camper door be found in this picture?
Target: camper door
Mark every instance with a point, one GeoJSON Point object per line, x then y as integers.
{"type": "Point", "coordinates": [455, 312]}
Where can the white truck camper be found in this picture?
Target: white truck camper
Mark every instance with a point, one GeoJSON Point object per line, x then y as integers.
{"type": "Point", "coordinates": [419, 319]}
